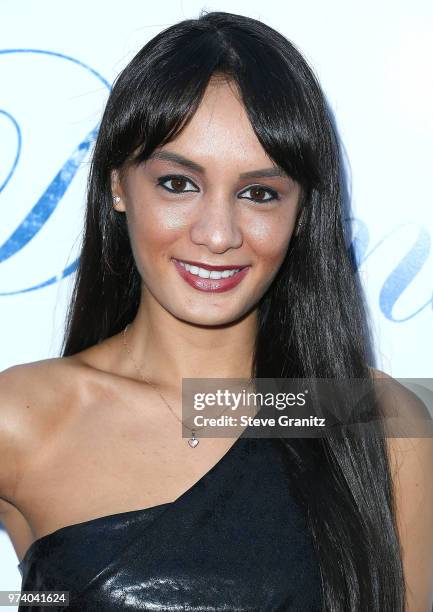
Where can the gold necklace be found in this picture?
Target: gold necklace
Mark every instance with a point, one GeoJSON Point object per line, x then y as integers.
{"type": "Point", "coordinates": [193, 442]}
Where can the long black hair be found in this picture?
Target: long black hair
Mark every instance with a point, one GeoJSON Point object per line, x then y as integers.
{"type": "Point", "coordinates": [312, 320]}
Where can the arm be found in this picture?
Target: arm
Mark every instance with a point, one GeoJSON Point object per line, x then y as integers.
{"type": "Point", "coordinates": [15, 428]}
{"type": "Point", "coordinates": [9, 435]}
{"type": "Point", "coordinates": [411, 464]}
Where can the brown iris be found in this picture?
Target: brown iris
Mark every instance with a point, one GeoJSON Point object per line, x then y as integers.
{"type": "Point", "coordinates": [257, 190]}
{"type": "Point", "coordinates": [178, 183]}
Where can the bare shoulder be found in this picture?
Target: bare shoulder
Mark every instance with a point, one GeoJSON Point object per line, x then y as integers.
{"type": "Point", "coordinates": [38, 400]}
{"type": "Point", "coordinates": [35, 400]}
{"type": "Point", "coordinates": [408, 421]}
{"type": "Point", "coordinates": [403, 401]}
{"type": "Point", "coordinates": [29, 412]}
{"type": "Point", "coordinates": [411, 466]}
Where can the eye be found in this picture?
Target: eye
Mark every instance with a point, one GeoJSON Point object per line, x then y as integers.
{"type": "Point", "coordinates": [258, 192]}
{"type": "Point", "coordinates": [178, 183]}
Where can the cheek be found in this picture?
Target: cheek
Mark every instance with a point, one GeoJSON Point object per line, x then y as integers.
{"type": "Point", "coordinates": [154, 227]}
{"type": "Point", "coordinates": [270, 237]}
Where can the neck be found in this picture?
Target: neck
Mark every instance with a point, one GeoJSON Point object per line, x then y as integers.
{"type": "Point", "coordinates": [167, 349]}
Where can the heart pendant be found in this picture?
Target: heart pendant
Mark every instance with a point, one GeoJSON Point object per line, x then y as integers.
{"type": "Point", "coordinates": [193, 442]}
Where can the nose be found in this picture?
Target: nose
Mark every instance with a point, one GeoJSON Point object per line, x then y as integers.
{"type": "Point", "coordinates": [216, 225]}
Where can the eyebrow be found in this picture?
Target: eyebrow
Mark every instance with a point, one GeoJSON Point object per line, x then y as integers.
{"type": "Point", "coordinates": [188, 163]}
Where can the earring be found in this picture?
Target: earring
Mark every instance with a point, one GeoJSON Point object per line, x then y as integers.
{"type": "Point", "coordinates": [116, 199]}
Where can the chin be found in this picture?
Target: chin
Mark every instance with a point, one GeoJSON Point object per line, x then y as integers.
{"type": "Point", "coordinates": [209, 318]}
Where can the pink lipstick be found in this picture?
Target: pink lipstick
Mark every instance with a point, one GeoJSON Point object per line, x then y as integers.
{"type": "Point", "coordinates": [205, 277]}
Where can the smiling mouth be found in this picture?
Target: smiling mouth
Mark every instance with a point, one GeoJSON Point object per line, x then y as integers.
{"type": "Point", "coordinates": [205, 277]}
{"type": "Point", "coordinates": [208, 271]}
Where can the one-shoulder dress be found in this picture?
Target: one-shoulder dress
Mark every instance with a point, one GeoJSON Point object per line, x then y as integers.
{"type": "Point", "coordinates": [236, 541]}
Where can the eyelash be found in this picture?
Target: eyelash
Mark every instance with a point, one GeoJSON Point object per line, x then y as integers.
{"type": "Point", "coordinates": [164, 179]}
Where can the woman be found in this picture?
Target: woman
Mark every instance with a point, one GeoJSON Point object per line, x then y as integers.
{"type": "Point", "coordinates": [215, 153]}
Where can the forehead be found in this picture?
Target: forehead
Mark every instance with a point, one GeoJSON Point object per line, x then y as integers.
{"type": "Point", "coordinates": [220, 129]}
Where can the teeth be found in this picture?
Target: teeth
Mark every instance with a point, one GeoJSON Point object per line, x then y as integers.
{"type": "Point", "coordinates": [196, 271]}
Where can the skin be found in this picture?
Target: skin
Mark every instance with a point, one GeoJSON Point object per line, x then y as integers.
{"type": "Point", "coordinates": [88, 422]}
{"type": "Point", "coordinates": [214, 221]}
{"type": "Point", "coordinates": [411, 463]}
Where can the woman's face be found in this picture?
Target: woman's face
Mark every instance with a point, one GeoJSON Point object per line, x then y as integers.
{"type": "Point", "coordinates": [213, 197]}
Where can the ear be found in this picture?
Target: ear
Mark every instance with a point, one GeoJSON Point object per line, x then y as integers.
{"type": "Point", "coordinates": [117, 192]}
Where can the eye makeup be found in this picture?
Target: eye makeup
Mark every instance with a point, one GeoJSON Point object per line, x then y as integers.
{"type": "Point", "coordinates": [272, 194]}
{"type": "Point", "coordinates": [174, 177]}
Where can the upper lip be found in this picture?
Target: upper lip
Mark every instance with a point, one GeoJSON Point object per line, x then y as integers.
{"type": "Point", "coordinates": [210, 267]}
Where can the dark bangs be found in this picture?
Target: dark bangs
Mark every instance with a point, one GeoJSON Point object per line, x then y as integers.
{"type": "Point", "coordinates": [160, 90]}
